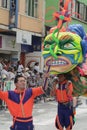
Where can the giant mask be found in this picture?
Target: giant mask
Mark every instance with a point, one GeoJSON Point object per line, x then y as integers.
{"type": "Point", "coordinates": [64, 50]}
{"type": "Point", "coordinates": [63, 53]}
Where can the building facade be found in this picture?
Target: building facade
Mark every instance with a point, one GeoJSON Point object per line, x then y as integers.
{"type": "Point", "coordinates": [21, 29]}
{"type": "Point", "coordinates": [78, 12]}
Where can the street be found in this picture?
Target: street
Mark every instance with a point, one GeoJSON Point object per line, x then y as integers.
{"type": "Point", "coordinates": [44, 117]}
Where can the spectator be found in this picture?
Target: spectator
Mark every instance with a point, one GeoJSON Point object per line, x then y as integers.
{"type": "Point", "coordinates": [4, 73]}
{"type": "Point", "coordinates": [1, 65]}
{"type": "Point", "coordinates": [26, 73]}
{"type": "Point", "coordinates": [36, 66]}
{"type": "Point", "coordinates": [19, 68]}
{"type": "Point", "coordinates": [11, 73]}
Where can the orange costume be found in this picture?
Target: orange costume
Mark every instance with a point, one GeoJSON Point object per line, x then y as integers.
{"type": "Point", "coordinates": [64, 98]}
{"type": "Point", "coordinates": [64, 92]}
{"type": "Point", "coordinates": [20, 106]}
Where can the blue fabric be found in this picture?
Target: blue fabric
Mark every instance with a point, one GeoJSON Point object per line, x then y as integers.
{"type": "Point", "coordinates": [63, 86]}
{"type": "Point", "coordinates": [22, 126]}
{"type": "Point", "coordinates": [64, 113]}
{"type": "Point", "coordinates": [16, 98]}
{"type": "Point", "coordinates": [28, 94]}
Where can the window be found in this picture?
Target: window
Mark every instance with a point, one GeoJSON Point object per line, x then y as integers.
{"type": "Point", "coordinates": [36, 43]}
{"type": "Point", "coordinates": [31, 8]}
{"type": "Point", "coordinates": [5, 4]}
{"type": "Point", "coordinates": [70, 5]}
{"type": "Point", "coordinates": [81, 9]}
{"type": "Point", "coordinates": [85, 13]}
{"type": "Point", "coordinates": [61, 4]}
{"type": "Point", "coordinates": [77, 9]}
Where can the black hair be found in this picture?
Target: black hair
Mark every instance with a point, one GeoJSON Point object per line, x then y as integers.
{"type": "Point", "coordinates": [36, 63]}
{"type": "Point", "coordinates": [10, 68]}
{"type": "Point", "coordinates": [35, 71]}
{"type": "Point", "coordinates": [17, 77]}
{"type": "Point", "coordinates": [68, 75]}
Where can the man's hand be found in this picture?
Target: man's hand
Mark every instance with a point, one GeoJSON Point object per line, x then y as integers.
{"type": "Point", "coordinates": [46, 75]}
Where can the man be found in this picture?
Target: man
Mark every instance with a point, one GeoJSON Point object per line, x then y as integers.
{"type": "Point", "coordinates": [4, 73]}
{"type": "Point", "coordinates": [20, 103]}
{"type": "Point", "coordinates": [1, 65]}
{"type": "Point", "coordinates": [20, 68]}
{"type": "Point", "coordinates": [62, 89]}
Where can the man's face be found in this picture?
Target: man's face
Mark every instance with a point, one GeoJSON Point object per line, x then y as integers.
{"type": "Point", "coordinates": [21, 84]}
{"type": "Point", "coordinates": [63, 52]}
{"type": "Point", "coordinates": [61, 77]}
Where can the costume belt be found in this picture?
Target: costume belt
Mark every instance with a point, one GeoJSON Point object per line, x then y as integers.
{"type": "Point", "coordinates": [26, 119]}
{"type": "Point", "coordinates": [63, 103]}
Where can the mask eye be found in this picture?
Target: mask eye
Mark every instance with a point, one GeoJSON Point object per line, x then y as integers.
{"type": "Point", "coordinates": [47, 46]}
{"type": "Point", "coordinates": [68, 45]}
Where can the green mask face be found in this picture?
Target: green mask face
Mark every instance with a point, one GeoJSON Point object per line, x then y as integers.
{"type": "Point", "coordinates": [63, 52]}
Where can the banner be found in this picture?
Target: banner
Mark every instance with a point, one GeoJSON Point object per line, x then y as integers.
{"type": "Point", "coordinates": [13, 14]}
{"type": "Point", "coordinates": [24, 37]}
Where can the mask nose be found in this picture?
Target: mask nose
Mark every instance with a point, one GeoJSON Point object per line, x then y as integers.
{"type": "Point", "coordinates": [57, 49]}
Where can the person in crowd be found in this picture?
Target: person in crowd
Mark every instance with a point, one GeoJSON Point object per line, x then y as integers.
{"type": "Point", "coordinates": [1, 64]}
{"type": "Point", "coordinates": [8, 64]}
{"type": "Point", "coordinates": [36, 66]}
{"type": "Point", "coordinates": [11, 73]}
{"type": "Point", "coordinates": [25, 73]}
{"type": "Point", "coordinates": [32, 81]}
{"type": "Point", "coordinates": [20, 103]}
{"type": "Point", "coordinates": [62, 90]}
{"type": "Point", "coordinates": [20, 67]}
{"type": "Point", "coordinates": [4, 73]}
